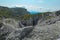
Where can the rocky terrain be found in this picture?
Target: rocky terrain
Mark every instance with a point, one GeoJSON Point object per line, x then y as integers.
{"type": "Point", "coordinates": [11, 29]}
{"type": "Point", "coordinates": [45, 26]}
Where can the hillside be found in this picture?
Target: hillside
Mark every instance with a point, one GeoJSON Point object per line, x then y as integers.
{"type": "Point", "coordinates": [19, 24]}
{"type": "Point", "coordinates": [12, 12]}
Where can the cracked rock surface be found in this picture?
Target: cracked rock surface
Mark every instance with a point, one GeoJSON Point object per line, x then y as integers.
{"type": "Point", "coordinates": [11, 31]}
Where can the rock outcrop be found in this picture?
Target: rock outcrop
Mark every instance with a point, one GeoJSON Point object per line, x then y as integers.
{"type": "Point", "coordinates": [12, 31]}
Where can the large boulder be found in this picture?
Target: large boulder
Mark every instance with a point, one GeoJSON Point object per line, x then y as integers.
{"type": "Point", "coordinates": [57, 13]}
{"type": "Point", "coordinates": [31, 22]}
{"type": "Point", "coordinates": [28, 22]}
{"type": "Point", "coordinates": [19, 34]}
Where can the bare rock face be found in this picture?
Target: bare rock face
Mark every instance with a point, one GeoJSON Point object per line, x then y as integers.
{"type": "Point", "coordinates": [27, 22]}
{"type": "Point", "coordinates": [47, 32]}
{"type": "Point", "coordinates": [1, 24]}
{"type": "Point", "coordinates": [19, 34]}
{"type": "Point", "coordinates": [12, 31]}
{"type": "Point", "coordinates": [30, 22]}
{"type": "Point", "coordinates": [57, 13]}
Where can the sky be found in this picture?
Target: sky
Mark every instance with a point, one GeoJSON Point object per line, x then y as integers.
{"type": "Point", "coordinates": [33, 5]}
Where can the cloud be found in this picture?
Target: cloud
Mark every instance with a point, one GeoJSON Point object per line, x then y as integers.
{"type": "Point", "coordinates": [30, 7]}
{"type": "Point", "coordinates": [34, 8]}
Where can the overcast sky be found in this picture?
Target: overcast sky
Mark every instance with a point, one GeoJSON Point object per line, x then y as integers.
{"type": "Point", "coordinates": [33, 5]}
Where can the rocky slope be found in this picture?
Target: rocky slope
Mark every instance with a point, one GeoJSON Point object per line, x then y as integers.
{"type": "Point", "coordinates": [46, 30]}
{"type": "Point", "coordinates": [45, 27]}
